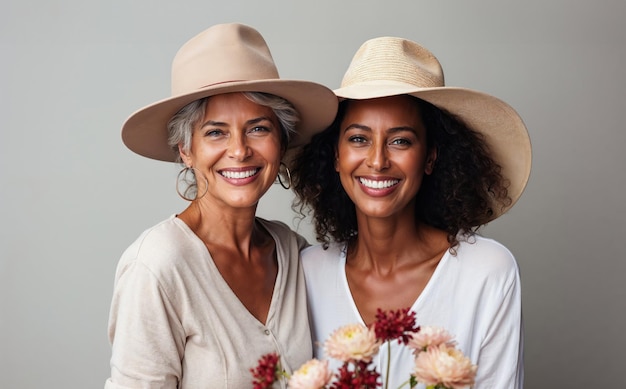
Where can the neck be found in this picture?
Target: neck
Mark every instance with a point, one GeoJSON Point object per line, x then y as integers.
{"type": "Point", "coordinates": [385, 244]}
{"type": "Point", "coordinates": [216, 225]}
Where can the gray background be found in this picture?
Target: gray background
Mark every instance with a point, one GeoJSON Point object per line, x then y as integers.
{"type": "Point", "coordinates": [72, 197]}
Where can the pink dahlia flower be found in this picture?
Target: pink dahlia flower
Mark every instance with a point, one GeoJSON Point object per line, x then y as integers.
{"type": "Point", "coordinates": [312, 375]}
{"type": "Point", "coordinates": [445, 366]}
{"type": "Point", "coordinates": [353, 342]}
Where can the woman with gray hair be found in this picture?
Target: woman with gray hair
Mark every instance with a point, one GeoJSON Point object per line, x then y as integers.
{"type": "Point", "coordinates": [199, 297]}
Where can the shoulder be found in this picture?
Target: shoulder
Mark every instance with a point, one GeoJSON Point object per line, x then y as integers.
{"type": "Point", "coordinates": [323, 273]}
{"type": "Point", "coordinates": [275, 226]}
{"type": "Point", "coordinates": [484, 269]}
{"type": "Point", "coordinates": [318, 257]}
{"type": "Point", "coordinates": [283, 234]}
{"type": "Point", "coordinates": [164, 238]}
{"type": "Point", "coordinates": [484, 263]}
{"type": "Point", "coordinates": [161, 246]}
{"type": "Point", "coordinates": [484, 258]}
{"type": "Point", "coordinates": [485, 251]}
{"type": "Point", "coordinates": [319, 252]}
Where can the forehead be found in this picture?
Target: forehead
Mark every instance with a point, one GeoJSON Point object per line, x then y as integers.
{"type": "Point", "coordinates": [235, 105]}
{"type": "Point", "coordinates": [391, 111]}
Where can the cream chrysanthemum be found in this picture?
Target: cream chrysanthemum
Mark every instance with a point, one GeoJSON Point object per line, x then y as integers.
{"type": "Point", "coordinates": [312, 375]}
{"type": "Point", "coordinates": [447, 366]}
{"type": "Point", "coordinates": [353, 342]}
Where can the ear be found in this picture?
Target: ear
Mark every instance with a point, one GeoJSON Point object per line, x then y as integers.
{"type": "Point", "coordinates": [184, 156]}
{"type": "Point", "coordinates": [431, 158]}
{"type": "Point", "coordinates": [336, 160]}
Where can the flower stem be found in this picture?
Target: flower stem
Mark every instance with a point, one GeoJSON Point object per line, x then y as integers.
{"type": "Point", "coordinates": [407, 382]}
{"type": "Point", "coordinates": [388, 364]}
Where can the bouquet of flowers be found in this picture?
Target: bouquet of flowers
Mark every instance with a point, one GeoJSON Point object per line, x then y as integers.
{"type": "Point", "coordinates": [438, 363]}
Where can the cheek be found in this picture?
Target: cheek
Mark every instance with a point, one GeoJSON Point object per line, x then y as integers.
{"type": "Point", "coordinates": [346, 169]}
{"type": "Point", "coordinates": [353, 161]}
{"type": "Point", "coordinates": [205, 155]}
{"type": "Point", "coordinates": [272, 150]}
{"type": "Point", "coordinates": [345, 160]}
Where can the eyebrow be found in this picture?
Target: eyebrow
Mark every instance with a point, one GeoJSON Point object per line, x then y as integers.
{"type": "Point", "coordinates": [248, 122]}
{"type": "Point", "coordinates": [389, 130]}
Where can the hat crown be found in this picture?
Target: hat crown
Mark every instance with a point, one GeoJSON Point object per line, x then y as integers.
{"type": "Point", "coordinates": [394, 60]}
{"type": "Point", "coordinates": [220, 54]}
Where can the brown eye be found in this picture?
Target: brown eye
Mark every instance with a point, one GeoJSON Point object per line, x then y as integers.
{"type": "Point", "coordinates": [357, 139]}
{"type": "Point", "coordinates": [401, 141]}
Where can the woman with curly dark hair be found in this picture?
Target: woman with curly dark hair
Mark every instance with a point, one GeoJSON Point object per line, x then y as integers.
{"type": "Point", "coordinates": [398, 186]}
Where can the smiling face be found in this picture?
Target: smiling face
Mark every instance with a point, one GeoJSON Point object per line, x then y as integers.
{"type": "Point", "coordinates": [237, 147]}
{"type": "Point", "coordinates": [382, 155]}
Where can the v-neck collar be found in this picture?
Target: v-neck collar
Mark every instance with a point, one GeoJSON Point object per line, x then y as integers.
{"type": "Point", "coordinates": [416, 304]}
{"type": "Point", "coordinates": [223, 287]}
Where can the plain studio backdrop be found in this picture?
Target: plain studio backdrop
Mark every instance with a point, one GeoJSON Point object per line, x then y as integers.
{"type": "Point", "coordinates": [72, 197]}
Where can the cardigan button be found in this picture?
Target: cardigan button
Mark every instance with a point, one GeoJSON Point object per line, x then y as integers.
{"type": "Point", "coordinates": [266, 332]}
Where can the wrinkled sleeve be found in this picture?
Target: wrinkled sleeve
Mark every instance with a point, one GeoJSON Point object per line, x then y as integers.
{"type": "Point", "coordinates": [501, 357]}
{"type": "Point", "coordinates": [145, 332]}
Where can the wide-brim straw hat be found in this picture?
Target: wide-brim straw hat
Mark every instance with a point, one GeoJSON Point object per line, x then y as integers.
{"type": "Point", "coordinates": [226, 58]}
{"type": "Point", "coordinates": [390, 66]}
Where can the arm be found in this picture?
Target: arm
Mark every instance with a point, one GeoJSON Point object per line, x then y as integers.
{"type": "Point", "coordinates": [145, 332]}
{"type": "Point", "coordinates": [500, 365]}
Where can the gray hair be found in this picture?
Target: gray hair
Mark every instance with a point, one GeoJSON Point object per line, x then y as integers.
{"type": "Point", "coordinates": [180, 126]}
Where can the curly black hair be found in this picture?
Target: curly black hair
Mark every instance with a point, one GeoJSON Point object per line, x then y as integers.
{"type": "Point", "coordinates": [459, 196]}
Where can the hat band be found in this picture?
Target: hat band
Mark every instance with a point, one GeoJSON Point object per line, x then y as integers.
{"type": "Point", "coordinates": [219, 83]}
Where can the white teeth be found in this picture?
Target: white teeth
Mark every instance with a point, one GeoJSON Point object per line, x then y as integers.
{"type": "Point", "coordinates": [377, 184]}
{"type": "Point", "coordinates": [244, 174]}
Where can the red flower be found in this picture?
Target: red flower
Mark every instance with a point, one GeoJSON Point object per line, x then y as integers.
{"type": "Point", "coordinates": [266, 372]}
{"type": "Point", "coordinates": [392, 324]}
{"type": "Point", "coordinates": [358, 378]}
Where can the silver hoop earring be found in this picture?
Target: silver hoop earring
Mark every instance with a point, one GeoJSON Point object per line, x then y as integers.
{"type": "Point", "coordinates": [285, 169]}
{"type": "Point", "coordinates": [188, 176]}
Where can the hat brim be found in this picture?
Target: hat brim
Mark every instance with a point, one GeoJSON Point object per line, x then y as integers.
{"type": "Point", "coordinates": [145, 131]}
{"type": "Point", "coordinates": [503, 129]}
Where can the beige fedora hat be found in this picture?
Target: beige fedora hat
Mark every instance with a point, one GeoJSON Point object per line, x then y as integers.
{"type": "Point", "coordinates": [222, 59]}
{"type": "Point", "coordinates": [390, 66]}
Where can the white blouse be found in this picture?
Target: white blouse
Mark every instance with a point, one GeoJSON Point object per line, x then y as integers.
{"type": "Point", "coordinates": [474, 295]}
{"type": "Point", "coordinates": [175, 322]}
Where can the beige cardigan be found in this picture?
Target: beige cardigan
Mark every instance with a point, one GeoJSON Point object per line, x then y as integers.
{"type": "Point", "coordinates": [175, 323]}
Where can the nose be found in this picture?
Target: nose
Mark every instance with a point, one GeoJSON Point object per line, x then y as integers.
{"type": "Point", "coordinates": [377, 158]}
{"type": "Point", "coordinates": [238, 148]}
